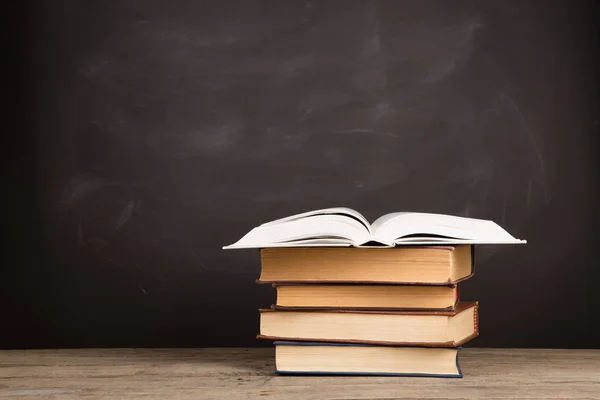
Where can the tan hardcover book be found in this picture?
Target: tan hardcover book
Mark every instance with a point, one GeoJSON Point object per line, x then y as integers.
{"type": "Point", "coordinates": [308, 358]}
{"type": "Point", "coordinates": [434, 265]}
{"type": "Point", "coordinates": [367, 297]}
{"type": "Point", "coordinates": [428, 329]}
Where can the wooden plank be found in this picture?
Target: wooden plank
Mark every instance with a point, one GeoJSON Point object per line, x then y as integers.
{"type": "Point", "coordinates": [231, 373]}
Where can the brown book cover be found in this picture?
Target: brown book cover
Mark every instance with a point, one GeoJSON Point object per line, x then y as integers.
{"type": "Point", "coordinates": [448, 282]}
{"type": "Point", "coordinates": [377, 342]}
{"type": "Point", "coordinates": [462, 306]}
{"type": "Point", "coordinates": [341, 308]}
{"type": "Point", "coordinates": [378, 309]}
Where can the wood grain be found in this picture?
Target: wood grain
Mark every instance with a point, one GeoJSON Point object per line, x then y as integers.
{"type": "Point", "coordinates": [237, 373]}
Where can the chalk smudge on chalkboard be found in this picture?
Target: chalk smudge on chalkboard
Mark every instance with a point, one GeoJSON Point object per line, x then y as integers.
{"type": "Point", "coordinates": [141, 287]}
{"type": "Point", "coordinates": [277, 139]}
{"type": "Point", "coordinates": [204, 267]}
{"type": "Point", "coordinates": [372, 45]}
{"type": "Point", "coordinates": [442, 70]}
{"type": "Point", "coordinates": [481, 171]}
{"type": "Point", "coordinates": [467, 210]}
{"type": "Point", "coordinates": [380, 111]}
{"type": "Point", "coordinates": [367, 131]}
{"type": "Point", "coordinates": [511, 123]}
{"type": "Point", "coordinates": [187, 36]}
{"type": "Point", "coordinates": [212, 138]}
{"type": "Point", "coordinates": [319, 101]}
{"type": "Point", "coordinates": [534, 144]}
{"type": "Point", "coordinates": [125, 215]}
{"type": "Point", "coordinates": [79, 187]}
{"type": "Point", "coordinates": [370, 79]}
{"type": "Point", "coordinates": [94, 67]}
{"type": "Point", "coordinates": [293, 67]}
{"type": "Point", "coordinates": [450, 50]}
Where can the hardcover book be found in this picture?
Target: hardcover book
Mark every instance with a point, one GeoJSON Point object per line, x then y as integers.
{"type": "Point", "coordinates": [407, 328]}
{"type": "Point", "coordinates": [432, 265]}
{"type": "Point", "coordinates": [310, 358]}
{"type": "Point", "coordinates": [365, 297]}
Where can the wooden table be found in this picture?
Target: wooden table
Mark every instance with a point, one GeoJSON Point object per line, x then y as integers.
{"type": "Point", "coordinates": [230, 373]}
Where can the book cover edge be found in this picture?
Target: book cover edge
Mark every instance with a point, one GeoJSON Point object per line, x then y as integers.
{"type": "Point", "coordinates": [371, 342]}
{"type": "Point", "coordinates": [461, 306]}
{"type": "Point", "coordinates": [316, 373]}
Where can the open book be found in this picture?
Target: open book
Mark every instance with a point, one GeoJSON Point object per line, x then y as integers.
{"type": "Point", "coordinates": [342, 226]}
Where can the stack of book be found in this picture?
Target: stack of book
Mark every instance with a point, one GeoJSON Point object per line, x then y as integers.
{"type": "Point", "coordinates": [379, 303]}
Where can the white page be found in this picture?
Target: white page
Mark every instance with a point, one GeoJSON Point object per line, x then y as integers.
{"type": "Point", "coordinates": [393, 227]}
{"type": "Point", "coordinates": [342, 226]}
{"type": "Point", "coordinates": [453, 242]}
{"type": "Point", "coordinates": [320, 242]}
{"type": "Point", "coordinates": [325, 211]}
{"type": "Point", "coordinates": [313, 228]}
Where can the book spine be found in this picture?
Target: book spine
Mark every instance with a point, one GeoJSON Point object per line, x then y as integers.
{"type": "Point", "coordinates": [472, 259]}
{"type": "Point", "coordinates": [457, 293]}
{"type": "Point", "coordinates": [460, 374]}
{"type": "Point", "coordinates": [476, 319]}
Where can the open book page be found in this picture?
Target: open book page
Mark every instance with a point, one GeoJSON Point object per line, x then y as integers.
{"type": "Point", "coordinates": [345, 227]}
{"type": "Point", "coordinates": [314, 229]}
{"type": "Point", "coordinates": [317, 242]}
{"type": "Point", "coordinates": [325, 211]}
{"type": "Point", "coordinates": [425, 228]}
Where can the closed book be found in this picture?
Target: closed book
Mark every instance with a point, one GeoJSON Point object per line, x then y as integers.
{"type": "Point", "coordinates": [432, 265]}
{"type": "Point", "coordinates": [365, 297]}
{"type": "Point", "coordinates": [410, 328]}
{"type": "Point", "coordinates": [313, 358]}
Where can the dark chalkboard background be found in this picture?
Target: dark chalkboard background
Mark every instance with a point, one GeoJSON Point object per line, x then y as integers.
{"type": "Point", "coordinates": [145, 135]}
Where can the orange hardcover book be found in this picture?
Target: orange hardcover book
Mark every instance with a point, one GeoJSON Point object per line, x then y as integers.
{"type": "Point", "coordinates": [426, 329]}
{"type": "Point", "coordinates": [365, 297]}
{"type": "Point", "coordinates": [431, 265]}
